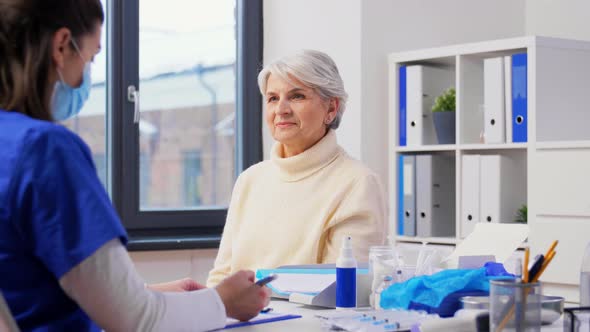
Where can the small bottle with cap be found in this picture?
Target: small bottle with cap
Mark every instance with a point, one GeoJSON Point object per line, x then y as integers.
{"type": "Point", "coordinates": [346, 276]}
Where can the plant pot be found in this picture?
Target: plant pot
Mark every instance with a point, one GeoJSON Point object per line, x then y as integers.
{"type": "Point", "coordinates": [444, 124]}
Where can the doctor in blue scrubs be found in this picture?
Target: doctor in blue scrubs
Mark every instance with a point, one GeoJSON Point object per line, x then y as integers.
{"type": "Point", "coordinates": [63, 262]}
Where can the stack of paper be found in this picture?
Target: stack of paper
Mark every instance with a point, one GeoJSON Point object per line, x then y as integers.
{"type": "Point", "coordinates": [499, 240]}
{"type": "Point", "coordinates": [306, 283]}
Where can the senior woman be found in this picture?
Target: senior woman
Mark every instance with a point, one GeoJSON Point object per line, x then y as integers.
{"type": "Point", "coordinates": [297, 207]}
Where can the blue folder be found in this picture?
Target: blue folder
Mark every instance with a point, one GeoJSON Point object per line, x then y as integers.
{"type": "Point", "coordinates": [519, 97]}
{"type": "Point", "coordinates": [402, 106]}
{"type": "Point", "coordinates": [261, 319]}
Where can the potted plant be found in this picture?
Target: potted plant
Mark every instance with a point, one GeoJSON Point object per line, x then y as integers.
{"type": "Point", "coordinates": [522, 214]}
{"type": "Point", "coordinates": [443, 112]}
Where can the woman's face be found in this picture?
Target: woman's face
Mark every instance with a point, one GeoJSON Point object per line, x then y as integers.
{"type": "Point", "coordinates": [296, 115]}
{"type": "Point", "coordinates": [68, 61]}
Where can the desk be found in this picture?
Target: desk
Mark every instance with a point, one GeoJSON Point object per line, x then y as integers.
{"type": "Point", "coordinates": [309, 323]}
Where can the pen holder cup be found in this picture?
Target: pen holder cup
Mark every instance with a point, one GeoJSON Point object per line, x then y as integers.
{"type": "Point", "coordinates": [515, 306]}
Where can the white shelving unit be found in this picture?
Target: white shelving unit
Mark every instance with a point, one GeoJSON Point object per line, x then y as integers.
{"type": "Point", "coordinates": [430, 240]}
{"type": "Point", "coordinates": [554, 162]}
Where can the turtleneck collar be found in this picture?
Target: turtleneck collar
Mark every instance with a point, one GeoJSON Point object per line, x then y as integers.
{"type": "Point", "coordinates": [309, 161]}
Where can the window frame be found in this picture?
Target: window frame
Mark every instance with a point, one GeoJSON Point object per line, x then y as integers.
{"type": "Point", "coordinates": [174, 229]}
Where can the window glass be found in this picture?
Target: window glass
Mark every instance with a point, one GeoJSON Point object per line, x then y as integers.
{"type": "Point", "coordinates": [187, 101]}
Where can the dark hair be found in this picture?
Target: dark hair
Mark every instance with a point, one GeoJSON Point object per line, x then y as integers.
{"type": "Point", "coordinates": [26, 31]}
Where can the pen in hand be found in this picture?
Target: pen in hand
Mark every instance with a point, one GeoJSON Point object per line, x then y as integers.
{"type": "Point", "coordinates": [266, 280]}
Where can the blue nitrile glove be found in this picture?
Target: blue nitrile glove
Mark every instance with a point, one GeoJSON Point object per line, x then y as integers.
{"type": "Point", "coordinates": [449, 305]}
{"type": "Point", "coordinates": [431, 290]}
{"type": "Point", "coordinates": [496, 270]}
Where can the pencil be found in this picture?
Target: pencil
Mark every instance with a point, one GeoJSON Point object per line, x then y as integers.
{"type": "Point", "coordinates": [553, 245]}
{"type": "Point", "coordinates": [544, 266]}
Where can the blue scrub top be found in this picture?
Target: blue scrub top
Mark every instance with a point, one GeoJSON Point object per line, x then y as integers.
{"type": "Point", "coordinates": [54, 213]}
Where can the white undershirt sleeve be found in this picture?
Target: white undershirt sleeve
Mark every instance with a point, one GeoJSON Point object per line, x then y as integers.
{"type": "Point", "coordinates": [109, 289]}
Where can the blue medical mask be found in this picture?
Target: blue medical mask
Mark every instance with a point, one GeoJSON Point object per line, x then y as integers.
{"type": "Point", "coordinates": [66, 101]}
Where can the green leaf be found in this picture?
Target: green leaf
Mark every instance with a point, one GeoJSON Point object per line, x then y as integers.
{"type": "Point", "coordinates": [522, 214]}
{"type": "Point", "coordinates": [445, 102]}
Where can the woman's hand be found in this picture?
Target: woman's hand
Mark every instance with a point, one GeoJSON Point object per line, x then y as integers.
{"type": "Point", "coordinates": [243, 299]}
{"type": "Point", "coordinates": [182, 285]}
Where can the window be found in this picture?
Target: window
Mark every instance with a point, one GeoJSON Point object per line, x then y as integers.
{"type": "Point", "coordinates": [174, 160]}
{"type": "Point", "coordinates": [192, 182]}
{"type": "Point", "coordinates": [187, 91]}
{"type": "Point", "coordinates": [145, 176]}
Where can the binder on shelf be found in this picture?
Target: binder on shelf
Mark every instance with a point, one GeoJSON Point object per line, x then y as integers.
{"type": "Point", "coordinates": [493, 96]}
{"type": "Point", "coordinates": [409, 191]}
{"type": "Point", "coordinates": [402, 106]}
{"type": "Point", "coordinates": [492, 190]}
{"type": "Point", "coordinates": [435, 198]}
{"type": "Point", "coordinates": [502, 192]}
{"type": "Point", "coordinates": [400, 195]}
{"type": "Point", "coordinates": [508, 97]}
{"type": "Point", "coordinates": [519, 97]}
{"type": "Point", "coordinates": [423, 85]}
{"type": "Point", "coordinates": [470, 191]}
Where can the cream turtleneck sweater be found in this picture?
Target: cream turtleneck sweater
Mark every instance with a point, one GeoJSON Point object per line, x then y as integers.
{"type": "Point", "coordinates": [297, 210]}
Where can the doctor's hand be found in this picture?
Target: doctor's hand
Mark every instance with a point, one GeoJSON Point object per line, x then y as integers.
{"type": "Point", "coordinates": [242, 298]}
{"type": "Point", "coordinates": [182, 285]}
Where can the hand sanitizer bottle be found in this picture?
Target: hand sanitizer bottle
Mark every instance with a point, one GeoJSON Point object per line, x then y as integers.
{"type": "Point", "coordinates": [346, 276]}
{"type": "Point", "coordinates": [585, 279]}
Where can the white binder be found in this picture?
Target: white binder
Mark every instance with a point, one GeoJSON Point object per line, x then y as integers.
{"type": "Point", "coordinates": [493, 96]}
{"type": "Point", "coordinates": [423, 85]}
{"type": "Point", "coordinates": [501, 190]}
{"type": "Point", "coordinates": [409, 195]}
{"type": "Point", "coordinates": [508, 97]}
{"type": "Point", "coordinates": [470, 190]}
{"type": "Point", "coordinates": [435, 198]}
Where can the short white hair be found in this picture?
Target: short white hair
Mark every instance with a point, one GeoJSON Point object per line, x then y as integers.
{"type": "Point", "coordinates": [315, 70]}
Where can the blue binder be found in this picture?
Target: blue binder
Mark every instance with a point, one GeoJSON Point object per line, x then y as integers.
{"type": "Point", "coordinates": [519, 97]}
{"type": "Point", "coordinates": [400, 195]}
{"type": "Point", "coordinates": [402, 106]}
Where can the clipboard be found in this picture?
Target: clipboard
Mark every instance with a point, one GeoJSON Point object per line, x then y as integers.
{"type": "Point", "coordinates": [262, 318]}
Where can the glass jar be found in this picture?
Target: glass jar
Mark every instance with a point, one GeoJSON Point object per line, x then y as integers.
{"type": "Point", "coordinates": [385, 283]}
{"type": "Point", "coordinates": [382, 262]}
{"type": "Point", "coordinates": [515, 305]}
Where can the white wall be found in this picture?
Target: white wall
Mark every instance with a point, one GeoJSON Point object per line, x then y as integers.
{"type": "Point", "coordinates": [161, 266]}
{"type": "Point", "coordinates": [558, 18]}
